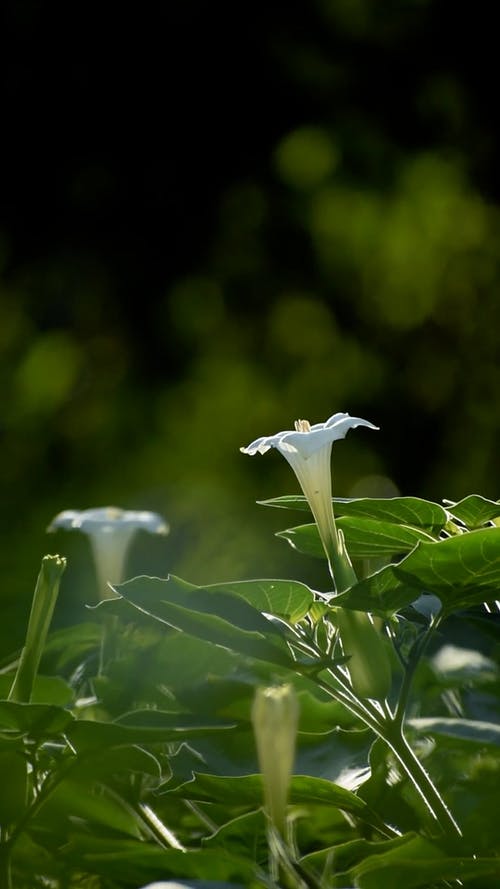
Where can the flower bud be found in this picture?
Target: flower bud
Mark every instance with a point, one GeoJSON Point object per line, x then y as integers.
{"type": "Point", "coordinates": [275, 715]}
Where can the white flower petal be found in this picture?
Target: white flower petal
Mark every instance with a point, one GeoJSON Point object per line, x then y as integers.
{"type": "Point", "coordinates": [110, 531]}
{"type": "Point", "coordinates": [308, 450]}
{"type": "Point", "coordinates": [109, 519]}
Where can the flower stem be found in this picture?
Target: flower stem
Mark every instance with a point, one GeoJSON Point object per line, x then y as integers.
{"type": "Point", "coordinates": [391, 731]}
{"type": "Point", "coordinates": [420, 779]}
{"type": "Point", "coordinates": [5, 873]}
{"type": "Point", "coordinates": [416, 653]}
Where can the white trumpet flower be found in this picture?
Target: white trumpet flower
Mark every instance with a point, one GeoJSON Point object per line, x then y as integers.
{"type": "Point", "coordinates": [308, 450]}
{"type": "Point", "coordinates": [110, 531]}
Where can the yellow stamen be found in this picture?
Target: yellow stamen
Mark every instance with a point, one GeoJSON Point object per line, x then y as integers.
{"type": "Point", "coordinates": [302, 426]}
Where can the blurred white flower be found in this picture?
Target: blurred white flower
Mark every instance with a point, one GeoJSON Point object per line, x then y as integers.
{"type": "Point", "coordinates": [110, 531]}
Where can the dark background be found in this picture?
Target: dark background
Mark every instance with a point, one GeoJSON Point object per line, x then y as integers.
{"type": "Point", "coordinates": [216, 220]}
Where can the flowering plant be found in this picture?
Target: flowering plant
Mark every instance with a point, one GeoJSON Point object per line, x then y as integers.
{"type": "Point", "coordinates": [261, 733]}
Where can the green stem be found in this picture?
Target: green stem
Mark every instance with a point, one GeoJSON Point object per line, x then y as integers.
{"type": "Point", "coordinates": [421, 781]}
{"type": "Point", "coordinates": [109, 642]}
{"type": "Point", "coordinates": [355, 706]}
{"type": "Point", "coordinates": [49, 785]}
{"type": "Point", "coordinates": [416, 653]}
{"type": "Point", "coordinates": [391, 732]}
{"type": "Point", "coordinates": [386, 726]}
{"type": "Point", "coordinates": [5, 873]}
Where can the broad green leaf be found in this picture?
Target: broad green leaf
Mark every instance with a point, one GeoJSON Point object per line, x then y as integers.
{"type": "Point", "coordinates": [365, 538]}
{"type": "Point", "coordinates": [411, 511]}
{"type": "Point", "coordinates": [336, 756]}
{"type": "Point", "coordinates": [347, 855]}
{"type": "Point", "coordinates": [37, 720]}
{"type": "Point", "coordinates": [470, 730]}
{"type": "Point", "coordinates": [149, 726]}
{"type": "Point", "coordinates": [71, 644]}
{"type": "Point", "coordinates": [106, 762]}
{"type": "Point", "coordinates": [284, 598]}
{"type": "Point", "coordinates": [247, 791]}
{"type": "Point", "coordinates": [382, 593]}
{"type": "Point", "coordinates": [222, 618]}
{"type": "Point", "coordinates": [132, 863]}
{"type": "Point", "coordinates": [244, 835]}
{"type": "Point", "coordinates": [417, 864]}
{"type": "Point", "coordinates": [46, 690]}
{"type": "Point", "coordinates": [462, 571]}
{"type": "Point", "coordinates": [474, 510]}
{"type": "Point", "coordinates": [92, 804]}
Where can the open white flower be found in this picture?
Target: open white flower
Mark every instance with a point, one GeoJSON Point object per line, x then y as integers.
{"type": "Point", "coordinates": [308, 450]}
{"type": "Point", "coordinates": [111, 531]}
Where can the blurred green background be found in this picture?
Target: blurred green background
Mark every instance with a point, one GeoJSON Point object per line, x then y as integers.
{"type": "Point", "coordinates": [215, 221]}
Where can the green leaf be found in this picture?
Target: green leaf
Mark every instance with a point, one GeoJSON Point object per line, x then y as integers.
{"type": "Point", "coordinates": [141, 727]}
{"type": "Point", "coordinates": [71, 644]}
{"type": "Point", "coordinates": [334, 756]}
{"type": "Point", "coordinates": [106, 762]}
{"type": "Point", "coordinates": [77, 797]}
{"type": "Point", "coordinates": [241, 835]}
{"type": "Point", "coordinates": [13, 781]}
{"type": "Point", "coordinates": [46, 690]}
{"type": "Point", "coordinates": [411, 511]}
{"type": "Point", "coordinates": [474, 510]}
{"type": "Point", "coordinates": [222, 618]}
{"type": "Point", "coordinates": [365, 538]}
{"type": "Point", "coordinates": [37, 720]}
{"type": "Point", "coordinates": [247, 791]}
{"type": "Point", "coordinates": [284, 598]}
{"type": "Point", "coordinates": [473, 731]}
{"type": "Point", "coordinates": [462, 571]}
{"type": "Point", "coordinates": [416, 864]}
{"type": "Point", "coordinates": [347, 855]}
{"type": "Point", "coordinates": [130, 862]}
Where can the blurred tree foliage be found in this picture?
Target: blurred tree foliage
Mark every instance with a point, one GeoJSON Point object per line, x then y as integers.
{"type": "Point", "coordinates": [215, 220]}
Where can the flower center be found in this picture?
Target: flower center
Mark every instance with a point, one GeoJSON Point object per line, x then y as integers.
{"type": "Point", "coordinates": [302, 426]}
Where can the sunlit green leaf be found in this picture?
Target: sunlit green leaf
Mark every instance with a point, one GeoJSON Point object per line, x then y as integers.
{"type": "Point", "coordinates": [474, 510]}
{"type": "Point", "coordinates": [365, 538]}
{"type": "Point", "coordinates": [284, 598]}
{"type": "Point", "coordinates": [416, 864]}
{"type": "Point", "coordinates": [247, 791]}
{"type": "Point", "coordinates": [411, 511]}
{"type": "Point", "coordinates": [347, 855]}
{"type": "Point", "coordinates": [462, 571]}
{"type": "Point", "coordinates": [222, 618]}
